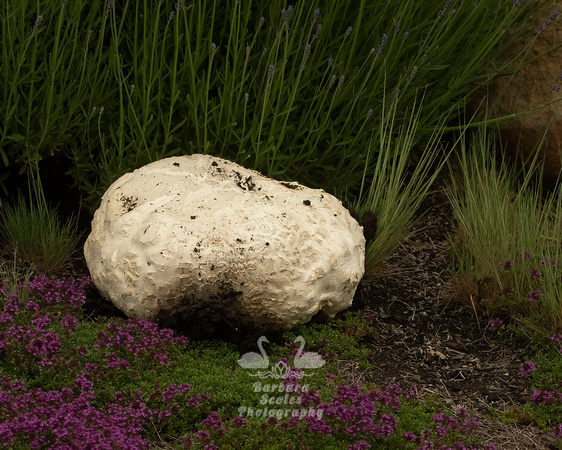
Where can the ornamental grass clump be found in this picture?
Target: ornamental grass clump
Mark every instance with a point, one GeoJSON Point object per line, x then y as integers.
{"type": "Point", "coordinates": [33, 232]}
{"type": "Point", "coordinates": [507, 247]}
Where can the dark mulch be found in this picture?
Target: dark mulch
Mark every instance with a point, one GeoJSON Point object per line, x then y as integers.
{"type": "Point", "coordinates": [425, 336]}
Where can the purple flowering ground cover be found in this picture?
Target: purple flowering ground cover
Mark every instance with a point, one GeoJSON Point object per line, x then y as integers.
{"type": "Point", "coordinates": [59, 389]}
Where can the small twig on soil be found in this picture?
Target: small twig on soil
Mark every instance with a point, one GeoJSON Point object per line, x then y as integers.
{"type": "Point", "coordinates": [476, 314]}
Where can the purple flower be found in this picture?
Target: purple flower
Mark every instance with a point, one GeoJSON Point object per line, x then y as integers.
{"type": "Point", "coordinates": [69, 322]}
{"type": "Point", "coordinates": [549, 21]}
{"type": "Point", "coordinates": [534, 273]}
{"type": "Point", "coordinates": [316, 15]}
{"type": "Point", "coordinates": [359, 445]}
{"type": "Point", "coordinates": [556, 337]}
{"type": "Point", "coordinates": [38, 22]}
{"type": "Point", "coordinates": [546, 398]}
{"type": "Point", "coordinates": [318, 29]}
{"type": "Point", "coordinates": [32, 306]}
{"type": "Point", "coordinates": [13, 305]}
{"type": "Point", "coordinates": [212, 421]}
{"type": "Point", "coordinates": [6, 318]}
{"type": "Point", "coordinates": [527, 369]}
{"type": "Point", "coordinates": [238, 422]}
{"type": "Point", "coordinates": [409, 436]}
{"type": "Point", "coordinates": [381, 46]}
{"type": "Point", "coordinates": [534, 295]}
{"type": "Point", "coordinates": [196, 399]}
{"type": "Point", "coordinates": [507, 264]}
{"type": "Point", "coordinates": [319, 426]}
{"type": "Point", "coordinates": [414, 392]}
{"type": "Point", "coordinates": [59, 419]}
{"type": "Point", "coordinates": [497, 322]}
{"type": "Point", "coordinates": [41, 322]}
{"type": "Point", "coordinates": [470, 425]}
{"type": "Point", "coordinates": [307, 51]}
{"type": "Point", "coordinates": [286, 13]}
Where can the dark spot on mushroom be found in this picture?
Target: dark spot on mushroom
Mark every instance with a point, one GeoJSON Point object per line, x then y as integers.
{"type": "Point", "coordinates": [128, 203]}
{"type": "Point", "coordinates": [214, 164]}
{"type": "Point", "coordinates": [306, 202]}
{"type": "Point", "coordinates": [196, 250]}
{"type": "Point", "coordinates": [177, 164]}
{"type": "Point", "coordinates": [212, 267]}
{"type": "Point", "coordinates": [244, 183]}
{"type": "Point", "coordinates": [267, 244]}
{"type": "Point", "coordinates": [289, 185]}
{"type": "Point", "coordinates": [193, 217]}
{"type": "Point", "coordinates": [238, 240]}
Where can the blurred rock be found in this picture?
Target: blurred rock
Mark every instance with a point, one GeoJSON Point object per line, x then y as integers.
{"type": "Point", "coordinates": [202, 244]}
{"type": "Point", "coordinates": [535, 84]}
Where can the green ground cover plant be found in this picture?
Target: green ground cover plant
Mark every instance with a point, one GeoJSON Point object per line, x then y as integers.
{"type": "Point", "coordinates": [123, 383]}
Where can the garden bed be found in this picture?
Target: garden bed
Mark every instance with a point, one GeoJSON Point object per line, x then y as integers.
{"type": "Point", "coordinates": [425, 336]}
